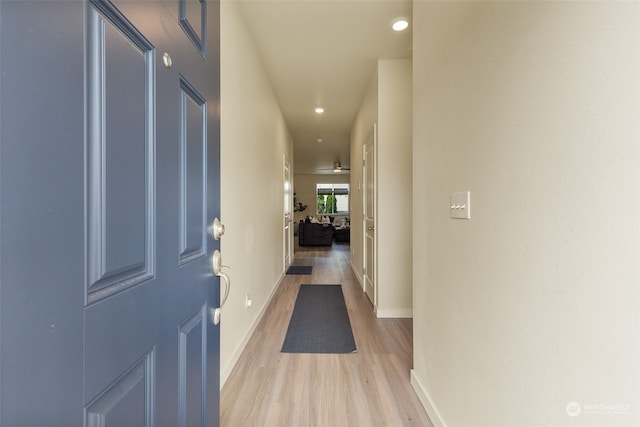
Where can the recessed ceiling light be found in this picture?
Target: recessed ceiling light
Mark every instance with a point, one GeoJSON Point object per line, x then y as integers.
{"type": "Point", "coordinates": [319, 110]}
{"type": "Point", "coordinates": [319, 140]}
{"type": "Point", "coordinates": [400, 24]}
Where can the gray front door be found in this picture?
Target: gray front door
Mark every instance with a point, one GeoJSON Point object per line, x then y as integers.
{"type": "Point", "coordinates": [109, 180]}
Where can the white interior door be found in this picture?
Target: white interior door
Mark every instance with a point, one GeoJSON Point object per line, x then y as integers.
{"type": "Point", "coordinates": [288, 212]}
{"type": "Point", "coordinates": [369, 222]}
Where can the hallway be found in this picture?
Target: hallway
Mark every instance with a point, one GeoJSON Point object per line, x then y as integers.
{"type": "Point", "coordinates": [368, 388]}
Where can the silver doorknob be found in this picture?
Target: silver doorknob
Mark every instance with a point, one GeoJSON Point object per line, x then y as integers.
{"type": "Point", "coordinates": [166, 58]}
{"type": "Point", "coordinates": [217, 229]}
{"type": "Point", "coordinates": [217, 270]}
{"type": "Point", "coordinates": [370, 228]}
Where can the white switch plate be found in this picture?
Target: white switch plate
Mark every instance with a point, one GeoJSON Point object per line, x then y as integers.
{"type": "Point", "coordinates": [461, 205]}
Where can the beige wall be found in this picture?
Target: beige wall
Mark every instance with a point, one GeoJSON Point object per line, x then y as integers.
{"type": "Point", "coordinates": [388, 105]}
{"type": "Point", "coordinates": [394, 186]}
{"type": "Point", "coordinates": [367, 116]}
{"type": "Point", "coordinates": [254, 142]}
{"type": "Point", "coordinates": [535, 302]}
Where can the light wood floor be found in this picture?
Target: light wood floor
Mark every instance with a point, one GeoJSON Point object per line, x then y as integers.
{"type": "Point", "coordinates": [368, 388]}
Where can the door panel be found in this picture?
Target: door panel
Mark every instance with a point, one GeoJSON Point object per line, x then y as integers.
{"type": "Point", "coordinates": [193, 347]}
{"type": "Point", "coordinates": [193, 173]}
{"type": "Point", "coordinates": [193, 21]}
{"type": "Point", "coordinates": [124, 153]}
{"type": "Point", "coordinates": [128, 401]}
{"type": "Point", "coordinates": [120, 155]}
{"type": "Point", "coordinates": [112, 293]}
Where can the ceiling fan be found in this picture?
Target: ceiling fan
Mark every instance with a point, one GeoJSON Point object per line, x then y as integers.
{"type": "Point", "coordinates": [337, 168]}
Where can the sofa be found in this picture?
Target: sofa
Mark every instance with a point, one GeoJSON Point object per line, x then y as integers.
{"type": "Point", "coordinates": [342, 234]}
{"type": "Point", "coordinates": [315, 234]}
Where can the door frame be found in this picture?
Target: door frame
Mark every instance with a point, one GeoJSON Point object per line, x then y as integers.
{"type": "Point", "coordinates": [370, 274]}
{"type": "Point", "coordinates": [288, 214]}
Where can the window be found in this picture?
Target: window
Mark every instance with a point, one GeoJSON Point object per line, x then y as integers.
{"type": "Point", "coordinates": [332, 198]}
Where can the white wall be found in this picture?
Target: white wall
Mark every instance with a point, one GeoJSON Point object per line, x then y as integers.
{"type": "Point", "coordinates": [394, 187]}
{"type": "Point", "coordinates": [254, 140]}
{"type": "Point", "coordinates": [535, 302]}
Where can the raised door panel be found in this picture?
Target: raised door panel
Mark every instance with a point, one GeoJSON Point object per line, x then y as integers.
{"type": "Point", "coordinates": [128, 401]}
{"type": "Point", "coordinates": [120, 154]}
{"type": "Point", "coordinates": [192, 365]}
{"type": "Point", "coordinates": [193, 21]}
{"type": "Point", "coordinates": [193, 173]}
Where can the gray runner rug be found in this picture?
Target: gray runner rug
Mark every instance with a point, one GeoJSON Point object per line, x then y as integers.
{"type": "Point", "coordinates": [300, 269]}
{"type": "Point", "coordinates": [319, 322]}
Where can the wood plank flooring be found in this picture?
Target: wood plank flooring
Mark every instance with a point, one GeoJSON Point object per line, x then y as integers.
{"type": "Point", "coordinates": [368, 388]}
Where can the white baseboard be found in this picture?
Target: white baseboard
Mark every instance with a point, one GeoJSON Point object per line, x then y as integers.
{"type": "Point", "coordinates": [405, 313]}
{"type": "Point", "coordinates": [224, 373]}
{"type": "Point", "coordinates": [386, 314]}
{"type": "Point", "coordinates": [426, 401]}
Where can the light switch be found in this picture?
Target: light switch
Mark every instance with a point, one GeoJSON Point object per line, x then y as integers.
{"type": "Point", "coordinates": [461, 205]}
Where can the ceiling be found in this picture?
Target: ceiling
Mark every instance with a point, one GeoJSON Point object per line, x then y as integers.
{"type": "Point", "coordinates": [324, 53]}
